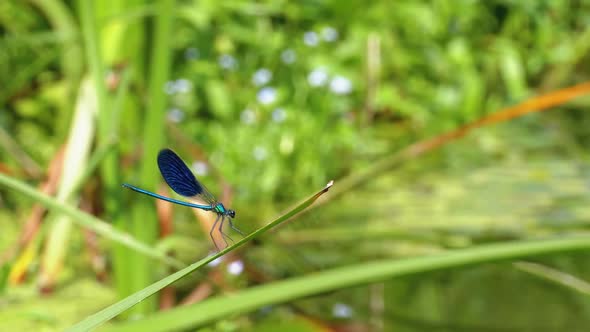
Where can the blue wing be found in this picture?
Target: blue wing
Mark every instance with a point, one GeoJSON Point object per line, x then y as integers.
{"type": "Point", "coordinates": [180, 178]}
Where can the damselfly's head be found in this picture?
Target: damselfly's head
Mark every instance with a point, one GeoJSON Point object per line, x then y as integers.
{"type": "Point", "coordinates": [220, 209]}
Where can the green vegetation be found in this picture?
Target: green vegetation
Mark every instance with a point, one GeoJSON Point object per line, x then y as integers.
{"type": "Point", "coordinates": [449, 211]}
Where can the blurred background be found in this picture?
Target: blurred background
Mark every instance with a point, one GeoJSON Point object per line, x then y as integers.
{"type": "Point", "coordinates": [267, 101]}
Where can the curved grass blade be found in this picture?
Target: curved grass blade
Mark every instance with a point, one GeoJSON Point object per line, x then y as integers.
{"type": "Point", "coordinates": [128, 302]}
{"type": "Point", "coordinates": [190, 317]}
{"type": "Point", "coordinates": [89, 221]}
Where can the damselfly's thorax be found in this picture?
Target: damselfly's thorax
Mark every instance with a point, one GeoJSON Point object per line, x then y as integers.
{"type": "Point", "coordinates": [220, 209]}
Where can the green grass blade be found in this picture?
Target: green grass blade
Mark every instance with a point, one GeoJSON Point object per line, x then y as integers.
{"type": "Point", "coordinates": [93, 162]}
{"type": "Point", "coordinates": [141, 273]}
{"type": "Point", "coordinates": [189, 317]}
{"type": "Point", "coordinates": [128, 302]}
{"type": "Point", "coordinates": [555, 276]}
{"type": "Point", "coordinates": [88, 221]}
{"type": "Point", "coordinates": [91, 29]}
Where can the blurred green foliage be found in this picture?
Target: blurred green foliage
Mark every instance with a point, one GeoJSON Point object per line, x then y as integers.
{"type": "Point", "coordinates": [261, 112]}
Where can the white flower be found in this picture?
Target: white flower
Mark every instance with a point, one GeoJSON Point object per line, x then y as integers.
{"type": "Point", "coordinates": [235, 267]}
{"type": "Point", "coordinates": [279, 115]}
{"type": "Point", "coordinates": [330, 34]}
{"type": "Point", "coordinates": [318, 77]}
{"type": "Point", "coordinates": [260, 153]}
{"type": "Point", "coordinates": [261, 77]}
{"type": "Point", "coordinates": [311, 38]}
{"type": "Point", "coordinates": [170, 87]}
{"type": "Point", "coordinates": [267, 95]}
{"type": "Point", "coordinates": [183, 85]}
{"type": "Point", "coordinates": [341, 310]}
{"type": "Point", "coordinates": [248, 116]}
{"type": "Point", "coordinates": [288, 56]}
{"type": "Point", "coordinates": [341, 85]}
{"type": "Point", "coordinates": [215, 262]}
{"type": "Point", "coordinates": [200, 168]}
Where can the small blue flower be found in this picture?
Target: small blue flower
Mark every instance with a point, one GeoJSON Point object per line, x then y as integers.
{"type": "Point", "coordinates": [191, 53]}
{"type": "Point", "coordinates": [175, 115]}
{"type": "Point", "coordinates": [228, 62]}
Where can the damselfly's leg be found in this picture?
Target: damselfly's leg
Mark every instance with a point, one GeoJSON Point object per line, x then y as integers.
{"type": "Point", "coordinates": [231, 224]}
{"type": "Point", "coordinates": [223, 235]}
{"type": "Point", "coordinates": [212, 229]}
